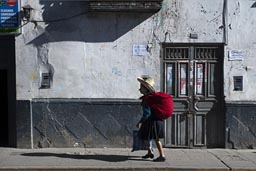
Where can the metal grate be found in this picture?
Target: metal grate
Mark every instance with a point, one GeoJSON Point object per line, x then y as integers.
{"type": "Point", "coordinates": [205, 53]}
{"type": "Point", "coordinates": [45, 80]}
{"type": "Point", "coordinates": [125, 5]}
{"type": "Point", "coordinates": [176, 53]}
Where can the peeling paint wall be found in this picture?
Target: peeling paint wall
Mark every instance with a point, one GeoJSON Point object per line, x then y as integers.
{"type": "Point", "coordinates": [241, 36]}
{"type": "Point", "coordinates": [90, 54]}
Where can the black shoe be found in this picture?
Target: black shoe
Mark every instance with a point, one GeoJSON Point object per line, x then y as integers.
{"type": "Point", "coordinates": [159, 159]}
{"type": "Point", "coordinates": [148, 156]}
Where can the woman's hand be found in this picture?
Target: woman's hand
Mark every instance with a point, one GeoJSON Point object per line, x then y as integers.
{"type": "Point", "coordinates": [138, 125]}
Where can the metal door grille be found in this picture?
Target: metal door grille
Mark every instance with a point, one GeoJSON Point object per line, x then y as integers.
{"type": "Point", "coordinates": [205, 53]}
{"type": "Point", "coordinates": [176, 53]}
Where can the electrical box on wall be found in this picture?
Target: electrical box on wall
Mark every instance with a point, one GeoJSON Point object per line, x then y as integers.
{"type": "Point", "coordinates": [238, 83]}
{"type": "Point", "coordinates": [45, 80]}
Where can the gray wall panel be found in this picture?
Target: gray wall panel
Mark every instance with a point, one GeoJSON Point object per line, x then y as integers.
{"type": "Point", "coordinates": [240, 125]}
{"type": "Point", "coordinates": [90, 123]}
{"type": "Point", "coordinates": [23, 122]}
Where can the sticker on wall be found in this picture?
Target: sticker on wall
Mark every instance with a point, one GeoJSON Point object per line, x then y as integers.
{"type": "Point", "coordinates": [139, 50]}
{"type": "Point", "coordinates": [236, 55]}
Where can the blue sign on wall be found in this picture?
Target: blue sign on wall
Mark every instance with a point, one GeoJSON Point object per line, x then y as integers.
{"type": "Point", "coordinates": [9, 17]}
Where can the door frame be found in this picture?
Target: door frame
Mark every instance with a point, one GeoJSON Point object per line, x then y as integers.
{"type": "Point", "coordinates": [220, 47]}
{"type": "Point", "coordinates": [7, 62]}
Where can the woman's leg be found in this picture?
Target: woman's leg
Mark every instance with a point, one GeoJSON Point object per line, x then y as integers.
{"type": "Point", "coordinates": [160, 148]}
{"type": "Point", "coordinates": [161, 158]}
{"type": "Point", "coordinates": [149, 149]}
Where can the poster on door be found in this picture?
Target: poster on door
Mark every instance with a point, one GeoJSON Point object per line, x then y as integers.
{"type": "Point", "coordinates": [199, 79]}
{"type": "Point", "coordinates": [9, 17]}
{"type": "Point", "coordinates": [183, 80]}
{"type": "Point", "coordinates": [170, 79]}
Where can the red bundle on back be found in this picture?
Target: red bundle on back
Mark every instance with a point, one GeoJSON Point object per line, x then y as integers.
{"type": "Point", "coordinates": [161, 104]}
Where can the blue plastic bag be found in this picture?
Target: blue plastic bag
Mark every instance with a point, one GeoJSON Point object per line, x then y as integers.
{"type": "Point", "coordinates": [138, 143]}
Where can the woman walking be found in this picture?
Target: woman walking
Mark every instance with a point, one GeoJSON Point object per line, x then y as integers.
{"type": "Point", "coordinates": [150, 127]}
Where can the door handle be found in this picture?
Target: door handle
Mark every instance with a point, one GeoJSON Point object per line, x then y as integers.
{"type": "Point", "coordinates": [189, 99]}
{"type": "Point", "coordinates": [196, 100]}
{"type": "Point", "coordinates": [187, 113]}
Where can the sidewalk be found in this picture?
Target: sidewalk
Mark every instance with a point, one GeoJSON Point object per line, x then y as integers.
{"type": "Point", "coordinates": [106, 159]}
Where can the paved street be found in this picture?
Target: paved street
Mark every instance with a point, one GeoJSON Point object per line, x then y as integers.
{"type": "Point", "coordinates": [74, 159]}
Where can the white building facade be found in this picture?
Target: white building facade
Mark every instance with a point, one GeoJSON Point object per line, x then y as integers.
{"type": "Point", "coordinates": [77, 62]}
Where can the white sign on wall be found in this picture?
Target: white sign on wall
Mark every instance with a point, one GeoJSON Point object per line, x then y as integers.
{"type": "Point", "coordinates": [139, 50]}
{"type": "Point", "coordinates": [236, 55]}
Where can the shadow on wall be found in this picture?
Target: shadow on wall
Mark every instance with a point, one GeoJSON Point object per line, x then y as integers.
{"type": "Point", "coordinates": [254, 5]}
{"type": "Point", "coordinates": [72, 21]}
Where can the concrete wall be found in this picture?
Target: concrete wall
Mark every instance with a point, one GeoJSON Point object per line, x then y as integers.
{"type": "Point", "coordinates": [241, 36]}
{"type": "Point", "coordinates": [77, 122]}
{"type": "Point", "coordinates": [240, 127]}
{"type": "Point", "coordinates": [90, 54]}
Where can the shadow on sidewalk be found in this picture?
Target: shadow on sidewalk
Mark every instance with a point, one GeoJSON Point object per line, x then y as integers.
{"type": "Point", "coordinates": [102, 157]}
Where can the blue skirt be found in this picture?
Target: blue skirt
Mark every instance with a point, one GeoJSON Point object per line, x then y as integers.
{"type": "Point", "coordinates": [152, 129]}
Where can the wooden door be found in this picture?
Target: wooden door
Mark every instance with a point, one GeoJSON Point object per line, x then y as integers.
{"type": "Point", "coordinates": [193, 76]}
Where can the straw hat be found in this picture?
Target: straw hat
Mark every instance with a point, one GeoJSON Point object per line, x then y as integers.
{"type": "Point", "coordinates": [148, 82]}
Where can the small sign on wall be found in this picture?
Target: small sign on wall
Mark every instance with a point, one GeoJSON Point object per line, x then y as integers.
{"type": "Point", "coordinates": [139, 50]}
{"type": "Point", "coordinates": [236, 55]}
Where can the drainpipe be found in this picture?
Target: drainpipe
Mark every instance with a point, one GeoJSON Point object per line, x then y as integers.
{"type": "Point", "coordinates": [225, 21]}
